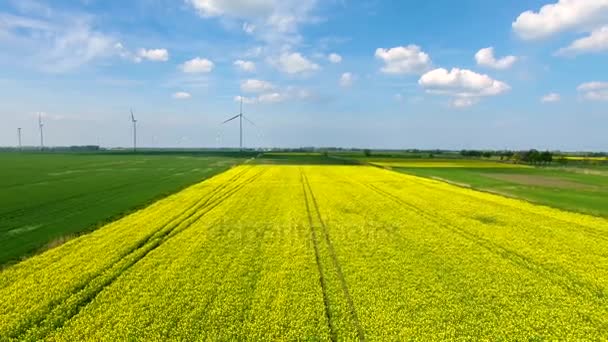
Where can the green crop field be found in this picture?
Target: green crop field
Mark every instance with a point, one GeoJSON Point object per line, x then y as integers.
{"type": "Point", "coordinates": [46, 197]}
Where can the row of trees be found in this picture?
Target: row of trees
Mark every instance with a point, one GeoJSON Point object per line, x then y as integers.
{"type": "Point", "coordinates": [529, 157]}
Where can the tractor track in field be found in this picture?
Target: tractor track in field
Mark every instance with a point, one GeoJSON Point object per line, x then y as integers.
{"type": "Point", "coordinates": [335, 261]}
{"type": "Point", "coordinates": [54, 316]}
{"type": "Point", "coordinates": [322, 280]}
{"type": "Point", "coordinates": [564, 279]}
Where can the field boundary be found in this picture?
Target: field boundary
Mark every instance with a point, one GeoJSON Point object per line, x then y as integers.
{"type": "Point", "coordinates": [60, 240]}
{"type": "Point", "coordinates": [485, 190]}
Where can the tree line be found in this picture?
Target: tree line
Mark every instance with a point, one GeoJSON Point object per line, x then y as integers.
{"type": "Point", "coordinates": [532, 156]}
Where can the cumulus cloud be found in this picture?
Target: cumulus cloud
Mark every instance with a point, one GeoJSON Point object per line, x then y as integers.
{"type": "Point", "coordinates": [565, 15]}
{"type": "Point", "coordinates": [347, 79]}
{"type": "Point", "coordinates": [295, 63]}
{"type": "Point", "coordinates": [256, 86]}
{"type": "Point", "coordinates": [551, 97]}
{"type": "Point", "coordinates": [156, 55]}
{"type": "Point", "coordinates": [181, 95]}
{"type": "Point", "coordinates": [197, 65]}
{"type": "Point", "coordinates": [404, 60]}
{"type": "Point", "coordinates": [461, 84]}
{"type": "Point", "coordinates": [594, 91]}
{"type": "Point", "coordinates": [246, 66]}
{"type": "Point", "coordinates": [485, 57]}
{"type": "Point", "coordinates": [596, 41]}
{"type": "Point", "coordinates": [334, 58]}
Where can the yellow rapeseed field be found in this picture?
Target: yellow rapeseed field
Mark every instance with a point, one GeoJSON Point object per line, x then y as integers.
{"type": "Point", "coordinates": [319, 253]}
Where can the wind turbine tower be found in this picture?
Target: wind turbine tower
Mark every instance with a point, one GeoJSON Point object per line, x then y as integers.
{"type": "Point", "coordinates": [40, 125]}
{"type": "Point", "coordinates": [134, 131]}
{"type": "Point", "coordinates": [240, 116]}
{"type": "Point", "coordinates": [19, 137]}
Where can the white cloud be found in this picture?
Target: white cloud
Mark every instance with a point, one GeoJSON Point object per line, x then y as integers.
{"type": "Point", "coordinates": [79, 46]}
{"type": "Point", "coordinates": [54, 42]}
{"type": "Point", "coordinates": [156, 55]}
{"type": "Point", "coordinates": [485, 57]}
{"type": "Point", "coordinates": [181, 95]}
{"type": "Point", "coordinates": [565, 15]}
{"type": "Point", "coordinates": [404, 60]}
{"type": "Point", "coordinates": [246, 100]}
{"type": "Point", "coordinates": [594, 91]}
{"type": "Point", "coordinates": [248, 28]}
{"type": "Point", "coordinates": [334, 58]}
{"type": "Point", "coordinates": [463, 102]}
{"type": "Point", "coordinates": [589, 86]}
{"type": "Point", "coordinates": [256, 86]}
{"type": "Point", "coordinates": [246, 66]}
{"type": "Point", "coordinates": [236, 8]}
{"type": "Point", "coordinates": [277, 96]}
{"type": "Point", "coordinates": [551, 97]}
{"type": "Point", "coordinates": [461, 84]}
{"type": "Point", "coordinates": [295, 63]}
{"type": "Point", "coordinates": [273, 21]}
{"type": "Point", "coordinates": [347, 79]}
{"type": "Point", "coordinates": [197, 65]}
{"type": "Point", "coordinates": [271, 98]}
{"type": "Point", "coordinates": [596, 41]}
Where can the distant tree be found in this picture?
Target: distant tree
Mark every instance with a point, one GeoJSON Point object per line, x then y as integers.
{"type": "Point", "coordinates": [518, 157]}
{"type": "Point", "coordinates": [367, 152]}
{"type": "Point", "coordinates": [530, 157]}
{"type": "Point", "coordinates": [487, 154]}
{"type": "Point", "coordinates": [546, 157]}
{"type": "Point", "coordinates": [471, 153]}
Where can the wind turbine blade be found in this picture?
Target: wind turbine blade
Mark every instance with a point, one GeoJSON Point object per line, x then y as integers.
{"type": "Point", "coordinates": [251, 122]}
{"type": "Point", "coordinates": [232, 118]}
{"type": "Point", "coordinates": [132, 116]}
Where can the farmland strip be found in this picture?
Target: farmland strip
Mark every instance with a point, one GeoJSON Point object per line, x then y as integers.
{"type": "Point", "coordinates": [322, 280]}
{"type": "Point", "coordinates": [336, 263]}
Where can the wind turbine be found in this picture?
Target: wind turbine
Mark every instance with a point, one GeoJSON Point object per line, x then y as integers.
{"type": "Point", "coordinates": [240, 116]}
{"type": "Point", "coordinates": [19, 137]}
{"type": "Point", "coordinates": [40, 125]}
{"type": "Point", "coordinates": [134, 131]}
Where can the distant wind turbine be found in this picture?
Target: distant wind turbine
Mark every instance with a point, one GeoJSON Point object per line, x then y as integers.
{"type": "Point", "coordinates": [40, 125]}
{"type": "Point", "coordinates": [134, 131]}
{"type": "Point", "coordinates": [240, 116]}
{"type": "Point", "coordinates": [19, 137]}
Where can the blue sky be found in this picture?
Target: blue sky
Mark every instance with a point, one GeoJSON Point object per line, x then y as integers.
{"type": "Point", "coordinates": [383, 74]}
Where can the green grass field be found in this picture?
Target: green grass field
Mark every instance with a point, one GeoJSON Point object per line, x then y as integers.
{"type": "Point", "coordinates": [578, 189]}
{"type": "Point", "coordinates": [46, 197]}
